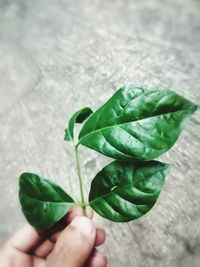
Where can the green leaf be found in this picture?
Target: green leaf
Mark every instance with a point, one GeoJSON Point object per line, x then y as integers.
{"type": "Point", "coordinates": [43, 202]}
{"type": "Point", "coordinates": [137, 123]}
{"type": "Point", "coordinates": [78, 117]}
{"type": "Point", "coordinates": [124, 191]}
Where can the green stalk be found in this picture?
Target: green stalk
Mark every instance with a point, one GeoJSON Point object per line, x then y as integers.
{"type": "Point", "coordinates": [83, 204]}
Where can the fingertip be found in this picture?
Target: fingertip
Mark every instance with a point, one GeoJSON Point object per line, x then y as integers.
{"type": "Point", "coordinates": [83, 225]}
{"type": "Point", "coordinates": [67, 219]}
{"type": "Point", "coordinates": [44, 249]}
{"type": "Point", "coordinates": [100, 236]}
{"type": "Point", "coordinates": [74, 212]}
{"type": "Point", "coordinates": [54, 237]}
{"type": "Point", "coordinates": [97, 260]}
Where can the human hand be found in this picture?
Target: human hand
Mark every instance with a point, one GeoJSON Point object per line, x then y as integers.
{"type": "Point", "coordinates": [71, 243]}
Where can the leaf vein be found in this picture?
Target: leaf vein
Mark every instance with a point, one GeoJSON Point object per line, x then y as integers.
{"type": "Point", "coordinates": [121, 124]}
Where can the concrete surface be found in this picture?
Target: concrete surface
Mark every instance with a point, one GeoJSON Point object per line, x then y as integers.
{"type": "Point", "coordinates": [57, 56]}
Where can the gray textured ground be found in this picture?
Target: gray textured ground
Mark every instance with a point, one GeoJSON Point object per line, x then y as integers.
{"type": "Point", "coordinates": [57, 56]}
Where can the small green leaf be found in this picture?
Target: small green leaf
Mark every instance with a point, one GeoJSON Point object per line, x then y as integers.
{"type": "Point", "coordinates": [78, 117]}
{"type": "Point", "coordinates": [137, 123]}
{"type": "Point", "coordinates": [124, 191]}
{"type": "Point", "coordinates": [43, 202]}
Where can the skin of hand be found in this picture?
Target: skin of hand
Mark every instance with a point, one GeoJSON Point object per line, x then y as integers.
{"type": "Point", "coordinates": [71, 243]}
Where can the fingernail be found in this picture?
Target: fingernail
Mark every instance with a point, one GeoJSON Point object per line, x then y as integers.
{"type": "Point", "coordinates": [83, 225]}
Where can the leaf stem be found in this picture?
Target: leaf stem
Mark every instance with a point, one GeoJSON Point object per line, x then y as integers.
{"type": "Point", "coordinates": [83, 203]}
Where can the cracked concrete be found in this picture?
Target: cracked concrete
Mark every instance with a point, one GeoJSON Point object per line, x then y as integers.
{"type": "Point", "coordinates": [57, 56]}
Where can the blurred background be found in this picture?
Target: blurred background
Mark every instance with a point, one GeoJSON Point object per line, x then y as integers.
{"type": "Point", "coordinates": [58, 56]}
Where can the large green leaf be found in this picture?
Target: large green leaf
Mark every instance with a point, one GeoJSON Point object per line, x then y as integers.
{"type": "Point", "coordinates": [137, 123]}
{"type": "Point", "coordinates": [43, 202]}
{"type": "Point", "coordinates": [124, 191]}
{"type": "Point", "coordinates": [78, 117]}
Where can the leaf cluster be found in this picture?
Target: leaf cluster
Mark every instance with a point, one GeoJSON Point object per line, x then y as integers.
{"type": "Point", "coordinates": [134, 127]}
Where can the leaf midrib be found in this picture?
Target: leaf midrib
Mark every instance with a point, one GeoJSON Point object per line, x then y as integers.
{"type": "Point", "coordinates": [125, 186]}
{"type": "Point", "coordinates": [39, 200]}
{"type": "Point", "coordinates": [121, 124]}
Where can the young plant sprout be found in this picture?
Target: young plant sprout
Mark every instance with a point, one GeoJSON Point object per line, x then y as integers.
{"type": "Point", "coordinates": [134, 127]}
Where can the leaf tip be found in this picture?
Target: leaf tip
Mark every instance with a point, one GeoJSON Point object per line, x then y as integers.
{"type": "Point", "coordinates": [67, 136]}
{"type": "Point", "coordinates": [23, 176]}
{"type": "Point", "coordinates": [84, 114]}
{"type": "Point", "coordinates": [167, 167]}
{"type": "Point", "coordinates": [193, 107]}
{"type": "Point", "coordinates": [164, 165]}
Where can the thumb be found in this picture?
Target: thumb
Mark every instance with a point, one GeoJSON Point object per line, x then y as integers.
{"type": "Point", "coordinates": [74, 245]}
